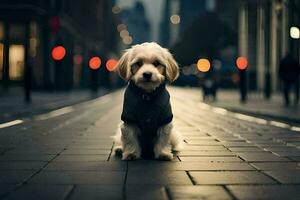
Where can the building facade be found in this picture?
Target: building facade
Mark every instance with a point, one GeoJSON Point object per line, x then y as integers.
{"type": "Point", "coordinates": [29, 30]}
{"type": "Point", "coordinates": [264, 39]}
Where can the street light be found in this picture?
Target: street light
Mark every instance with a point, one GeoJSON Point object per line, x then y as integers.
{"type": "Point", "coordinates": [242, 64]}
{"type": "Point", "coordinates": [295, 32]}
{"type": "Point", "coordinates": [95, 63]}
{"type": "Point", "coordinates": [175, 19]}
{"type": "Point", "coordinates": [58, 53]}
{"type": "Point", "coordinates": [111, 64]}
{"type": "Point", "coordinates": [203, 65]}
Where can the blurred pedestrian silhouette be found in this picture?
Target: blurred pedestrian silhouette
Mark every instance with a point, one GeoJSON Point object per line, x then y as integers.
{"type": "Point", "coordinates": [210, 85]}
{"type": "Point", "coordinates": [289, 71]}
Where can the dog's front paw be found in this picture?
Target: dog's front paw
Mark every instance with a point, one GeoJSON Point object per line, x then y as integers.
{"type": "Point", "coordinates": [165, 156]}
{"type": "Point", "coordinates": [118, 151]}
{"type": "Point", "coordinates": [130, 156]}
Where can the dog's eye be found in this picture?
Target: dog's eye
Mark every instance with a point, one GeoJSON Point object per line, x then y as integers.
{"type": "Point", "coordinates": [138, 64]}
{"type": "Point", "coordinates": [156, 63]}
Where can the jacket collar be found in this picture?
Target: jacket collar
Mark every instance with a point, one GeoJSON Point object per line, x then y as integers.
{"type": "Point", "coordinates": [146, 96]}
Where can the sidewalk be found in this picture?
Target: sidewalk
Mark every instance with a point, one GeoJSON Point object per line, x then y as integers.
{"type": "Point", "coordinates": [256, 105]}
{"type": "Point", "coordinates": [12, 104]}
{"type": "Point", "coordinates": [70, 157]}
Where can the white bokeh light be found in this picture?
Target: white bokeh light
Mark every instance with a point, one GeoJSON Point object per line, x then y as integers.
{"type": "Point", "coordinates": [295, 32]}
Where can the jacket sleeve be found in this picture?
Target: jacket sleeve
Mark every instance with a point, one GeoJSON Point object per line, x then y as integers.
{"type": "Point", "coordinates": [127, 115]}
{"type": "Point", "coordinates": [166, 115]}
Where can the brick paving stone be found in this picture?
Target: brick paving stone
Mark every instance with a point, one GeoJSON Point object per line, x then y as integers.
{"type": "Point", "coordinates": [38, 192]}
{"type": "Point", "coordinates": [203, 148]}
{"type": "Point", "coordinates": [210, 159]}
{"type": "Point", "coordinates": [158, 166]}
{"type": "Point", "coordinates": [201, 140]}
{"type": "Point", "coordinates": [274, 192]}
{"type": "Point", "coordinates": [5, 188]}
{"type": "Point", "coordinates": [286, 148]}
{"type": "Point", "coordinates": [103, 146]}
{"type": "Point", "coordinates": [26, 157]}
{"type": "Point", "coordinates": [146, 192]}
{"type": "Point", "coordinates": [295, 158]}
{"type": "Point", "coordinates": [286, 176]}
{"type": "Point", "coordinates": [197, 137]}
{"type": "Point", "coordinates": [287, 153]}
{"type": "Point", "coordinates": [238, 144]}
{"type": "Point", "coordinates": [86, 166]}
{"type": "Point", "coordinates": [93, 192]}
{"type": "Point", "coordinates": [205, 153]}
{"type": "Point", "coordinates": [198, 192]}
{"type": "Point", "coordinates": [79, 177]}
{"type": "Point", "coordinates": [188, 129]}
{"type": "Point", "coordinates": [204, 143]}
{"type": "Point", "coordinates": [86, 158]}
{"type": "Point", "coordinates": [158, 178]}
{"type": "Point", "coordinates": [30, 150]}
{"type": "Point", "coordinates": [86, 152]}
{"type": "Point", "coordinates": [291, 139]}
{"type": "Point", "coordinates": [261, 157]}
{"type": "Point", "coordinates": [2, 150]}
{"type": "Point", "coordinates": [21, 165]}
{"type": "Point", "coordinates": [246, 149]}
{"type": "Point", "coordinates": [192, 134]}
{"type": "Point", "coordinates": [15, 176]}
{"type": "Point", "coordinates": [276, 165]}
{"type": "Point", "coordinates": [220, 178]}
{"type": "Point", "coordinates": [297, 144]}
{"type": "Point", "coordinates": [268, 145]}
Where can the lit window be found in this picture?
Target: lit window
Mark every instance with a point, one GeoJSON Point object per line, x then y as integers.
{"type": "Point", "coordinates": [16, 62]}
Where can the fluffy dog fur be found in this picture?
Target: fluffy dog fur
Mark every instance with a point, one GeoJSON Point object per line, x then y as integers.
{"type": "Point", "coordinates": [133, 65]}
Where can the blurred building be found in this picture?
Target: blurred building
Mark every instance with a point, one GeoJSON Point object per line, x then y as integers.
{"type": "Point", "coordinates": [137, 23]}
{"type": "Point", "coordinates": [195, 29]}
{"type": "Point", "coordinates": [187, 11]}
{"type": "Point", "coordinates": [264, 38]}
{"type": "Point", "coordinates": [29, 29]}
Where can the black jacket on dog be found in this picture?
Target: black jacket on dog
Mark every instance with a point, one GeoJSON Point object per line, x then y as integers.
{"type": "Point", "coordinates": [148, 111]}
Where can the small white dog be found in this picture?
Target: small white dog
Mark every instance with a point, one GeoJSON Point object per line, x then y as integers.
{"type": "Point", "coordinates": [147, 127]}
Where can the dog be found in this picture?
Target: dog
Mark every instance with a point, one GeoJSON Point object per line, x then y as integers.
{"type": "Point", "coordinates": [147, 129]}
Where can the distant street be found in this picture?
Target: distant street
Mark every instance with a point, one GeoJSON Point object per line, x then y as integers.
{"type": "Point", "coordinates": [67, 154]}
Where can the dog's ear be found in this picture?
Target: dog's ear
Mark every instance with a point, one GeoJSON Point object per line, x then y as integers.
{"type": "Point", "coordinates": [172, 69]}
{"type": "Point", "coordinates": [123, 66]}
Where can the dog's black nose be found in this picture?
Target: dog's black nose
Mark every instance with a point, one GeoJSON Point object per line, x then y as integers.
{"type": "Point", "coordinates": [147, 75]}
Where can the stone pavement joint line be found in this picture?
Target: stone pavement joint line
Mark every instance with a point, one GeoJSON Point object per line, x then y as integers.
{"type": "Point", "coordinates": [69, 156]}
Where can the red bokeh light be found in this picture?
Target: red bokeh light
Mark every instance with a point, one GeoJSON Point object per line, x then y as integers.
{"type": "Point", "coordinates": [95, 63]}
{"type": "Point", "coordinates": [58, 53]}
{"type": "Point", "coordinates": [241, 63]}
{"type": "Point", "coordinates": [111, 64]}
{"type": "Point", "coordinates": [78, 59]}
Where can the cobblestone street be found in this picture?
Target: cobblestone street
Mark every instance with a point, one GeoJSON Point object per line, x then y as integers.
{"type": "Point", "coordinates": [67, 154]}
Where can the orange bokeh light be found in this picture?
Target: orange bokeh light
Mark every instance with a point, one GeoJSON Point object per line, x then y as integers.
{"type": "Point", "coordinates": [95, 62]}
{"type": "Point", "coordinates": [241, 63]}
{"type": "Point", "coordinates": [111, 64]}
{"type": "Point", "coordinates": [58, 53]}
{"type": "Point", "coordinates": [203, 65]}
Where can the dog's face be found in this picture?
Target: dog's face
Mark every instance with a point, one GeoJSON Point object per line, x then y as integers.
{"type": "Point", "coordinates": [148, 65]}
